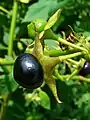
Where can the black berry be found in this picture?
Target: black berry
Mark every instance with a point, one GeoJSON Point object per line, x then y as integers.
{"type": "Point", "coordinates": [28, 71]}
{"type": "Point", "coordinates": [86, 69]}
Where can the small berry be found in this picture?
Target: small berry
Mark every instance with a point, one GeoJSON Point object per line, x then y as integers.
{"type": "Point", "coordinates": [86, 69]}
{"type": "Point", "coordinates": [28, 72]}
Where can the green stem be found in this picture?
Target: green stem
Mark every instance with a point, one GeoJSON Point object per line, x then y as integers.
{"type": "Point", "coordinates": [12, 28]}
{"type": "Point", "coordinates": [57, 73]}
{"type": "Point", "coordinates": [77, 77]}
{"type": "Point", "coordinates": [6, 62]}
{"type": "Point", "coordinates": [71, 45]}
{"type": "Point", "coordinates": [69, 56]}
{"type": "Point", "coordinates": [4, 10]}
{"type": "Point", "coordinates": [73, 73]}
{"type": "Point", "coordinates": [73, 62]}
{"type": "Point", "coordinates": [10, 51]}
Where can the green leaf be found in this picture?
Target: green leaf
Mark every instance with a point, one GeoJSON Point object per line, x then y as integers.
{"type": "Point", "coordinates": [13, 83]}
{"type": "Point", "coordinates": [51, 43]}
{"type": "Point", "coordinates": [7, 84]}
{"type": "Point", "coordinates": [38, 10]}
{"type": "Point", "coordinates": [44, 99]}
{"type": "Point", "coordinates": [6, 38]}
{"type": "Point", "coordinates": [48, 34]}
{"type": "Point", "coordinates": [53, 19]}
{"type": "Point", "coordinates": [83, 99]}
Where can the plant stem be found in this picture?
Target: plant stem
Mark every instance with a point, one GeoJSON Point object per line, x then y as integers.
{"type": "Point", "coordinates": [6, 62]}
{"type": "Point", "coordinates": [69, 56]}
{"type": "Point", "coordinates": [12, 28]}
{"type": "Point", "coordinates": [73, 73]}
{"type": "Point", "coordinates": [71, 45]}
{"type": "Point", "coordinates": [4, 10]}
{"type": "Point", "coordinates": [77, 77]}
{"type": "Point", "coordinates": [58, 74]}
{"type": "Point", "coordinates": [73, 62]}
{"type": "Point", "coordinates": [10, 51]}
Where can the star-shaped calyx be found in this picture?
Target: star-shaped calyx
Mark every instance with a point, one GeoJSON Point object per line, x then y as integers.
{"type": "Point", "coordinates": [40, 32]}
{"type": "Point", "coordinates": [48, 63]}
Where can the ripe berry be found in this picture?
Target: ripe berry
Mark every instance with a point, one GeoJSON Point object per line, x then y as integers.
{"type": "Point", "coordinates": [86, 69]}
{"type": "Point", "coordinates": [28, 72]}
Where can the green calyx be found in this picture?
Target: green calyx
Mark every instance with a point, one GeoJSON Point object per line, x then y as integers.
{"type": "Point", "coordinates": [48, 63]}
{"type": "Point", "coordinates": [40, 30]}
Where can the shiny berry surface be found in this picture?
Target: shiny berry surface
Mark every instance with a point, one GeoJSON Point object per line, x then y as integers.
{"type": "Point", "coordinates": [28, 72]}
{"type": "Point", "coordinates": [86, 69]}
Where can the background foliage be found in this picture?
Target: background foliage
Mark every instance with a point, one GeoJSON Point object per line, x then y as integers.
{"type": "Point", "coordinates": [75, 95]}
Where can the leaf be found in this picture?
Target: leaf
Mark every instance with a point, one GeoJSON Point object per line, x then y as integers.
{"type": "Point", "coordinates": [7, 84]}
{"type": "Point", "coordinates": [44, 99]}
{"type": "Point", "coordinates": [83, 99]}
{"type": "Point", "coordinates": [6, 38]}
{"type": "Point", "coordinates": [13, 83]}
{"type": "Point", "coordinates": [48, 34]}
{"type": "Point", "coordinates": [16, 106]}
{"type": "Point", "coordinates": [38, 10]}
{"type": "Point", "coordinates": [53, 19]}
{"type": "Point", "coordinates": [51, 43]}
